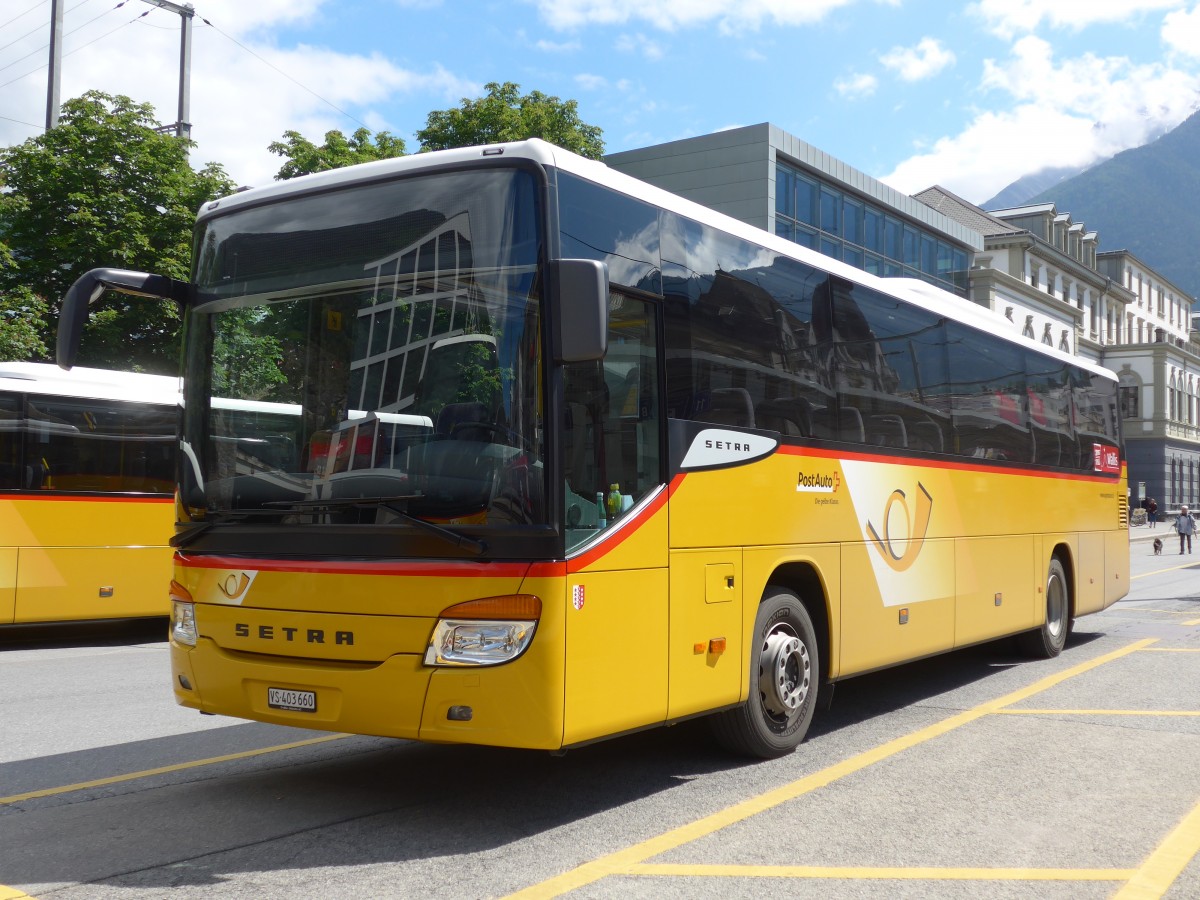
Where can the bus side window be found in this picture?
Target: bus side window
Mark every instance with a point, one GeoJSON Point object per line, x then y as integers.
{"type": "Point", "coordinates": [610, 428]}
{"type": "Point", "coordinates": [10, 447]}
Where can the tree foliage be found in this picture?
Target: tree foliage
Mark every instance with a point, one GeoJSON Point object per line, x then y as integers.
{"type": "Point", "coordinates": [503, 114]}
{"type": "Point", "coordinates": [102, 188]}
{"type": "Point", "coordinates": [304, 157]}
{"type": "Point", "coordinates": [20, 312]}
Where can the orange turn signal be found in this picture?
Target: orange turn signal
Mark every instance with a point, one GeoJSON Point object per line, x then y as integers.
{"type": "Point", "coordinates": [178, 592]}
{"type": "Point", "coordinates": [508, 606]}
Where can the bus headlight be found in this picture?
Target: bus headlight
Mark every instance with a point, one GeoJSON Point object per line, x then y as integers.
{"type": "Point", "coordinates": [183, 616]}
{"type": "Point", "coordinates": [484, 632]}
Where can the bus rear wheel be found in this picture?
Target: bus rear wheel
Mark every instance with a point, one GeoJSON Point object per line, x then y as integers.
{"type": "Point", "coordinates": [783, 682]}
{"type": "Point", "coordinates": [1048, 641]}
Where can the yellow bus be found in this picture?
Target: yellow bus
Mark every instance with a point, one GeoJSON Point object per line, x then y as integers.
{"type": "Point", "coordinates": [87, 480]}
{"type": "Point", "coordinates": [576, 457]}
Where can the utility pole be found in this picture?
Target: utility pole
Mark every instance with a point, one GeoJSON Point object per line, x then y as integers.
{"type": "Point", "coordinates": [56, 25]}
{"type": "Point", "coordinates": [183, 127]}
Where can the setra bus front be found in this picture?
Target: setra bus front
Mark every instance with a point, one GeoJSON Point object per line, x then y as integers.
{"type": "Point", "coordinates": [387, 557]}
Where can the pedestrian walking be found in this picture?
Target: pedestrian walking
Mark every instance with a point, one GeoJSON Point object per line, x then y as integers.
{"type": "Point", "coordinates": [1186, 526]}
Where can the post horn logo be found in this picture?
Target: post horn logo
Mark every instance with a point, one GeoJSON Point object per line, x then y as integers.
{"type": "Point", "coordinates": [914, 540]}
{"type": "Point", "coordinates": [235, 585]}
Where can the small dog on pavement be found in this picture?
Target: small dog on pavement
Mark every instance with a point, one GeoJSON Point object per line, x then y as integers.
{"type": "Point", "coordinates": [1158, 546]}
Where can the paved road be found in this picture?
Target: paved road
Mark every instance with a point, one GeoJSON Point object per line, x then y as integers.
{"type": "Point", "coordinates": [973, 774]}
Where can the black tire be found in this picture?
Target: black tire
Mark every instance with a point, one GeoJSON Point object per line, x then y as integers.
{"type": "Point", "coordinates": [784, 674]}
{"type": "Point", "coordinates": [1048, 641]}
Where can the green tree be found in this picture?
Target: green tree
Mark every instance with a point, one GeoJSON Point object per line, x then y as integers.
{"type": "Point", "coordinates": [21, 312]}
{"type": "Point", "coordinates": [103, 188]}
{"type": "Point", "coordinates": [304, 157]}
{"type": "Point", "coordinates": [505, 115]}
{"type": "Point", "coordinates": [246, 364]}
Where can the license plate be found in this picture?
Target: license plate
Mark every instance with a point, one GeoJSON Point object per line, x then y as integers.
{"type": "Point", "coordinates": [294, 701]}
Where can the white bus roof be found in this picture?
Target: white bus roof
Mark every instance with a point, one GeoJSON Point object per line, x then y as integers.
{"type": "Point", "coordinates": [538, 151]}
{"type": "Point", "coordinates": [94, 384]}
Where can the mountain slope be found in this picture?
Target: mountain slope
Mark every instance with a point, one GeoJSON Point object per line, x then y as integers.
{"type": "Point", "coordinates": [1028, 186]}
{"type": "Point", "coordinates": [1145, 200]}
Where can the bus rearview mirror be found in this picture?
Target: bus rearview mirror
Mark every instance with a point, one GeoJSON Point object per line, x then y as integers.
{"type": "Point", "coordinates": [91, 285]}
{"type": "Point", "coordinates": [578, 300]}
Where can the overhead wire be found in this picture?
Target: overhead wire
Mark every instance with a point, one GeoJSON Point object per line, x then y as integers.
{"type": "Point", "coordinates": [19, 121]}
{"type": "Point", "coordinates": [228, 37]}
{"type": "Point", "coordinates": [76, 49]}
{"type": "Point", "coordinates": [265, 62]}
{"type": "Point", "coordinates": [38, 28]}
{"type": "Point", "coordinates": [22, 15]}
{"type": "Point", "coordinates": [65, 34]}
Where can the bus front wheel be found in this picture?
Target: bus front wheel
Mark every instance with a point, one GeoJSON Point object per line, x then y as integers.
{"type": "Point", "coordinates": [1048, 641]}
{"type": "Point", "coordinates": [783, 682]}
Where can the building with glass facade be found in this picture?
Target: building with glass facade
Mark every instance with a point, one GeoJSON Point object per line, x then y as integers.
{"type": "Point", "coordinates": [775, 181]}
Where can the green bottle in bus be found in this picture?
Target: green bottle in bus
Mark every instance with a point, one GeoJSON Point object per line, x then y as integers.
{"type": "Point", "coordinates": [613, 501]}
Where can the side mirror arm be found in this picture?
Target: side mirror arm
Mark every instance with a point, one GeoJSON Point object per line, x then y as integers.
{"type": "Point", "coordinates": [90, 286]}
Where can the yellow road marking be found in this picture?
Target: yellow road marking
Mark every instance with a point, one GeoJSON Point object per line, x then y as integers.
{"type": "Point", "coordinates": [1192, 622]}
{"type": "Point", "coordinates": [1172, 650]}
{"type": "Point", "coordinates": [8, 893]}
{"type": "Point", "coordinates": [620, 861]}
{"type": "Point", "coordinates": [908, 873]}
{"type": "Point", "coordinates": [162, 770]}
{"type": "Point", "coordinates": [1097, 712]}
{"type": "Point", "coordinates": [1165, 612]}
{"type": "Point", "coordinates": [1187, 565]}
{"type": "Point", "coordinates": [1168, 860]}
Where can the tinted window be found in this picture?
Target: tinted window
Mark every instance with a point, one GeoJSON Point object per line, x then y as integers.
{"type": "Point", "coordinates": [987, 396]}
{"type": "Point", "coordinates": [597, 223]}
{"type": "Point", "coordinates": [742, 339]}
{"type": "Point", "coordinates": [11, 475]}
{"type": "Point", "coordinates": [87, 446]}
{"type": "Point", "coordinates": [610, 431]}
{"type": "Point", "coordinates": [1048, 389]}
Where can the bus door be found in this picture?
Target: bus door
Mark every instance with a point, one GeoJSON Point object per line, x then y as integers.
{"type": "Point", "coordinates": [615, 520]}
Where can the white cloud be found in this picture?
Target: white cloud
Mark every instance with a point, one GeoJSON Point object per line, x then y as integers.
{"type": "Point", "coordinates": [241, 98]}
{"type": "Point", "coordinates": [640, 44]}
{"type": "Point", "coordinates": [1181, 31]}
{"type": "Point", "coordinates": [553, 47]}
{"type": "Point", "coordinates": [591, 82]}
{"type": "Point", "coordinates": [1009, 18]}
{"type": "Point", "coordinates": [730, 15]}
{"type": "Point", "coordinates": [1073, 113]}
{"type": "Point", "coordinates": [925, 60]}
{"type": "Point", "coordinates": [856, 87]}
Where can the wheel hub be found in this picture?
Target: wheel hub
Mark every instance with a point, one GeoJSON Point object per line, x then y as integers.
{"type": "Point", "coordinates": [1056, 606]}
{"type": "Point", "coordinates": [784, 674]}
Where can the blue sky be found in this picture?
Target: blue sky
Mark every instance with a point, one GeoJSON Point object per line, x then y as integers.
{"type": "Point", "coordinates": [968, 95]}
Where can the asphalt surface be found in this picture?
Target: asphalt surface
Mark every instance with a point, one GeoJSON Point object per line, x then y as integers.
{"type": "Point", "coordinates": [975, 774]}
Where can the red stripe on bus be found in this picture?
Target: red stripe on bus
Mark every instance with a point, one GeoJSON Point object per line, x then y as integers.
{"type": "Point", "coordinates": [793, 450]}
{"type": "Point", "coordinates": [365, 567]}
{"type": "Point", "coordinates": [618, 537]}
{"type": "Point", "coordinates": [86, 498]}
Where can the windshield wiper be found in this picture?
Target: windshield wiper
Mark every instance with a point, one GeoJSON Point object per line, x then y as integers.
{"type": "Point", "coordinates": [388, 503]}
{"type": "Point", "coordinates": [226, 515]}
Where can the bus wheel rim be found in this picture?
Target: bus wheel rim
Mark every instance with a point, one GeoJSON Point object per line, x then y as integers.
{"type": "Point", "coordinates": [784, 674]}
{"type": "Point", "coordinates": [1056, 605]}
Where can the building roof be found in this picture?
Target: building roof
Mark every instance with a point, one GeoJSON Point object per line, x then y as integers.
{"type": "Point", "coordinates": [1030, 210]}
{"type": "Point", "coordinates": [964, 212]}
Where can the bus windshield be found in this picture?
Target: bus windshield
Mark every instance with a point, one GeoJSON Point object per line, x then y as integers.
{"type": "Point", "coordinates": [389, 335]}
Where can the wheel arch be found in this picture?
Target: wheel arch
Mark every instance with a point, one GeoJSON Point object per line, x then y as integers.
{"type": "Point", "coordinates": [1063, 553]}
{"type": "Point", "coordinates": [803, 580]}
